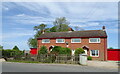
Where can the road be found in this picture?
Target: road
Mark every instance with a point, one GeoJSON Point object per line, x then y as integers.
{"type": "Point", "coordinates": [30, 67]}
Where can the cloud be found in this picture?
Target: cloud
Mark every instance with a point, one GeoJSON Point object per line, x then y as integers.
{"type": "Point", "coordinates": [20, 15]}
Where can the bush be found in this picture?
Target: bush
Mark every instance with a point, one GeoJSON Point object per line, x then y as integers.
{"type": "Point", "coordinates": [56, 49]}
{"type": "Point", "coordinates": [89, 58]}
{"type": "Point", "coordinates": [79, 51]}
{"type": "Point", "coordinates": [65, 51]}
{"type": "Point", "coordinates": [61, 50]}
{"type": "Point", "coordinates": [43, 50]}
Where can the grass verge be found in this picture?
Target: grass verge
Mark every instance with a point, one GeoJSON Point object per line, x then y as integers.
{"type": "Point", "coordinates": [23, 61]}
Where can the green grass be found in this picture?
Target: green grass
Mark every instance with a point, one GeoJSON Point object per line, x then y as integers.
{"type": "Point", "coordinates": [23, 61]}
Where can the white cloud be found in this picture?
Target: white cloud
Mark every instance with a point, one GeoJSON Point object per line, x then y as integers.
{"type": "Point", "coordinates": [20, 15]}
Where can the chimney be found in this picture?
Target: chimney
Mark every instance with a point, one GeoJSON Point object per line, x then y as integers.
{"type": "Point", "coordinates": [70, 29]}
{"type": "Point", "coordinates": [103, 28]}
{"type": "Point", "coordinates": [43, 31]}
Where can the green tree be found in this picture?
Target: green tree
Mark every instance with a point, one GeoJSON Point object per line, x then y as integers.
{"type": "Point", "coordinates": [1, 47]}
{"type": "Point", "coordinates": [43, 50]}
{"type": "Point", "coordinates": [32, 42]}
{"type": "Point", "coordinates": [110, 48]}
{"type": "Point", "coordinates": [79, 51]}
{"type": "Point", "coordinates": [15, 48]}
{"type": "Point", "coordinates": [56, 49]}
{"type": "Point", "coordinates": [61, 24]}
{"type": "Point", "coordinates": [65, 51]}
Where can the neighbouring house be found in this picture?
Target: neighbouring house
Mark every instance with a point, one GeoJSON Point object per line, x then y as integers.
{"type": "Point", "coordinates": [94, 42]}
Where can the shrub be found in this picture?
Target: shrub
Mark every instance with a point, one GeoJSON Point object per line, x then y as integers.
{"type": "Point", "coordinates": [65, 51]}
{"type": "Point", "coordinates": [61, 50]}
{"type": "Point", "coordinates": [79, 51]}
{"type": "Point", "coordinates": [89, 58]}
{"type": "Point", "coordinates": [56, 49]}
{"type": "Point", "coordinates": [43, 50]}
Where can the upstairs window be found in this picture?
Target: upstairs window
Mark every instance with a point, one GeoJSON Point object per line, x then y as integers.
{"type": "Point", "coordinates": [76, 40]}
{"type": "Point", "coordinates": [60, 40]}
{"type": "Point", "coordinates": [45, 40]}
{"type": "Point", "coordinates": [94, 40]}
{"type": "Point", "coordinates": [94, 53]}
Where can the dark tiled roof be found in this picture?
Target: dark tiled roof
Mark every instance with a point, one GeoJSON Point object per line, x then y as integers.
{"type": "Point", "coordinates": [86, 33]}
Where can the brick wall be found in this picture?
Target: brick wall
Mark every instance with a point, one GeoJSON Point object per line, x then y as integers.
{"type": "Point", "coordinates": [102, 46]}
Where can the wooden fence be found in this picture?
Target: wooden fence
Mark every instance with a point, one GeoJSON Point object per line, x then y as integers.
{"type": "Point", "coordinates": [50, 58]}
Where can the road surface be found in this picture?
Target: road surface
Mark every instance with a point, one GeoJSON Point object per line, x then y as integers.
{"type": "Point", "coordinates": [30, 67]}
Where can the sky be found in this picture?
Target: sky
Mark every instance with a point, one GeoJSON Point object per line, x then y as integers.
{"type": "Point", "coordinates": [19, 18]}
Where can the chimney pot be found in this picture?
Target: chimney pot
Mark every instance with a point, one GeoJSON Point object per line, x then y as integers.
{"type": "Point", "coordinates": [103, 28]}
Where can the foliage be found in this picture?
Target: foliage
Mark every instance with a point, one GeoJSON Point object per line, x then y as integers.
{"type": "Point", "coordinates": [61, 24]}
{"type": "Point", "coordinates": [43, 50]}
{"type": "Point", "coordinates": [79, 51]}
{"type": "Point", "coordinates": [61, 50]}
{"type": "Point", "coordinates": [32, 42]}
{"type": "Point", "coordinates": [1, 47]}
{"type": "Point", "coordinates": [89, 58]}
{"type": "Point", "coordinates": [15, 48]}
{"type": "Point", "coordinates": [65, 51]}
{"type": "Point", "coordinates": [7, 53]}
{"type": "Point", "coordinates": [110, 48]}
{"type": "Point", "coordinates": [56, 49]}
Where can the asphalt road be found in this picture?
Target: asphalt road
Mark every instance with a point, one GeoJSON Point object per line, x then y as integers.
{"type": "Point", "coordinates": [29, 67]}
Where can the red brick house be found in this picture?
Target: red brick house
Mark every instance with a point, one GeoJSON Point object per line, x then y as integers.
{"type": "Point", "coordinates": [94, 42]}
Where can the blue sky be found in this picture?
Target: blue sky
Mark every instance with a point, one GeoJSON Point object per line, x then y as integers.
{"type": "Point", "coordinates": [19, 18]}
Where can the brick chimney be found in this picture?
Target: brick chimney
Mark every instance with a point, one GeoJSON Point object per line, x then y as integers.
{"type": "Point", "coordinates": [43, 31]}
{"type": "Point", "coordinates": [70, 29]}
{"type": "Point", "coordinates": [103, 28]}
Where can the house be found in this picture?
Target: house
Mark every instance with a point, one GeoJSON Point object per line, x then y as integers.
{"type": "Point", "coordinates": [94, 42]}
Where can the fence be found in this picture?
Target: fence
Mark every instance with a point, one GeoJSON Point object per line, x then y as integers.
{"type": "Point", "coordinates": [50, 58]}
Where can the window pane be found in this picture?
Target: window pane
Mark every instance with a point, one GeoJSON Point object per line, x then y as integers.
{"type": "Point", "coordinates": [75, 40]}
{"type": "Point", "coordinates": [94, 53]}
{"type": "Point", "coordinates": [46, 40]}
{"type": "Point", "coordinates": [60, 40]}
{"type": "Point", "coordinates": [94, 39]}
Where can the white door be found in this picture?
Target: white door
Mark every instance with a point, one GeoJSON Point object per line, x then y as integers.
{"type": "Point", "coordinates": [85, 51]}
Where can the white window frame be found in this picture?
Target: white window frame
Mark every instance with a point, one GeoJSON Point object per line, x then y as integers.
{"type": "Point", "coordinates": [94, 42]}
{"type": "Point", "coordinates": [76, 42]}
{"type": "Point", "coordinates": [45, 39]}
{"type": "Point", "coordinates": [95, 53]}
{"type": "Point", "coordinates": [60, 42]}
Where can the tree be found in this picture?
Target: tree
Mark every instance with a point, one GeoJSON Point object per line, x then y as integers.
{"type": "Point", "coordinates": [65, 51]}
{"type": "Point", "coordinates": [32, 42]}
{"type": "Point", "coordinates": [1, 47]}
{"type": "Point", "coordinates": [56, 49]}
{"type": "Point", "coordinates": [43, 50]}
{"type": "Point", "coordinates": [15, 48]}
{"type": "Point", "coordinates": [79, 51]}
{"type": "Point", "coordinates": [61, 24]}
{"type": "Point", "coordinates": [110, 48]}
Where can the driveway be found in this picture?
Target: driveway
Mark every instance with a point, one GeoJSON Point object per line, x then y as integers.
{"type": "Point", "coordinates": [30, 67]}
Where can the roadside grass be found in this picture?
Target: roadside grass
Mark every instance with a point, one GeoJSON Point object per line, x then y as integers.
{"type": "Point", "coordinates": [23, 61]}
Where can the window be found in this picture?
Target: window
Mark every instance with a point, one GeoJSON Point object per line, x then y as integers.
{"type": "Point", "coordinates": [94, 53]}
{"type": "Point", "coordinates": [94, 40]}
{"type": "Point", "coordinates": [45, 40]}
{"type": "Point", "coordinates": [60, 40]}
{"type": "Point", "coordinates": [76, 40]}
